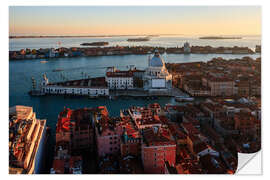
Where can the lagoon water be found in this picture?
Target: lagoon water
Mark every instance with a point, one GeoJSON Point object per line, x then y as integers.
{"type": "Point", "coordinates": [163, 41]}
{"type": "Point", "coordinates": [21, 71]}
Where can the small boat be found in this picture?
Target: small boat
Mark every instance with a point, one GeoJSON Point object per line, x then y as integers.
{"type": "Point", "coordinates": [43, 61]}
{"type": "Point", "coordinates": [183, 99]}
{"type": "Point", "coordinates": [36, 93]}
{"type": "Point", "coordinates": [93, 96]}
{"type": "Point", "coordinates": [57, 70]}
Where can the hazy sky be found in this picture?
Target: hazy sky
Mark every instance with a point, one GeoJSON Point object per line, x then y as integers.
{"type": "Point", "coordinates": [98, 20]}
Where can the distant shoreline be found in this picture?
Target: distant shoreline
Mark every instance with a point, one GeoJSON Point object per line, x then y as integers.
{"type": "Point", "coordinates": [84, 36]}
{"type": "Point", "coordinates": [95, 44]}
{"type": "Point", "coordinates": [123, 50]}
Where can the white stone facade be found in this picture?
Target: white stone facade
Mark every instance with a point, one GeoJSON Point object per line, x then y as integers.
{"type": "Point", "coordinates": [156, 75]}
{"type": "Point", "coordinates": [89, 91]}
{"type": "Point", "coordinates": [48, 88]}
{"type": "Point", "coordinates": [120, 82]}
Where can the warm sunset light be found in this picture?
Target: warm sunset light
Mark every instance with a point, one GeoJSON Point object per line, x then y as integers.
{"type": "Point", "coordinates": [134, 89]}
{"type": "Point", "coordinates": [201, 20]}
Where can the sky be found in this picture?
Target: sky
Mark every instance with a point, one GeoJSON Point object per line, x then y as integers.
{"type": "Point", "coordinates": [134, 20]}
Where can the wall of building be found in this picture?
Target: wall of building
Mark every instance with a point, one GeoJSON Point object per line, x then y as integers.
{"type": "Point", "coordinates": [120, 82]}
{"type": "Point", "coordinates": [108, 142]}
{"type": "Point", "coordinates": [75, 90]}
{"type": "Point", "coordinates": [154, 157]}
{"type": "Point", "coordinates": [131, 147]}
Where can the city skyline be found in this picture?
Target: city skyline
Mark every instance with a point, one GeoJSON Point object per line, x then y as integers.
{"type": "Point", "coordinates": [135, 20]}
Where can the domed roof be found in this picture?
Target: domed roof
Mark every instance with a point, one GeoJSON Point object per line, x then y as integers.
{"type": "Point", "coordinates": [186, 44]}
{"type": "Point", "coordinates": [156, 60]}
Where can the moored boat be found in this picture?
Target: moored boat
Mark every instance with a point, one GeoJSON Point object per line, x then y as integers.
{"type": "Point", "coordinates": [184, 99]}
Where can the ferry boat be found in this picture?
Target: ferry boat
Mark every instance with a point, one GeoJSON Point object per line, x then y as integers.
{"type": "Point", "coordinates": [184, 99]}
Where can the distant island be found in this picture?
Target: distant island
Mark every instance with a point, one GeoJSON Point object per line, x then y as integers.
{"type": "Point", "coordinates": [95, 44]}
{"type": "Point", "coordinates": [219, 37]}
{"type": "Point", "coordinates": [139, 39]}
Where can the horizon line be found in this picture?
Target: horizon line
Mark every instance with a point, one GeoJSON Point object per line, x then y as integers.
{"type": "Point", "coordinates": [115, 35]}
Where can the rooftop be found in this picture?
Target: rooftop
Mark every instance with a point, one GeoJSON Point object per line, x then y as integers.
{"type": "Point", "coordinates": [90, 82]}
{"type": "Point", "coordinates": [118, 73]}
{"type": "Point", "coordinates": [157, 137]}
{"type": "Point", "coordinates": [21, 112]}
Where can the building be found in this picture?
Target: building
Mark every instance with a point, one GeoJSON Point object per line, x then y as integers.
{"type": "Point", "coordinates": [119, 79]}
{"type": "Point", "coordinates": [27, 136]}
{"type": "Point", "coordinates": [245, 122]}
{"type": "Point", "coordinates": [187, 163]}
{"type": "Point", "coordinates": [157, 79]}
{"type": "Point", "coordinates": [258, 49]}
{"type": "Point", "coordinates": [157, 148]}
{"type": "Point", "coordinates": [130, 165]}
{"type": "Point", "coordinates": [130, 143]}
{"type": "Point", "coordinates": [212, 164]}
{"type": "Point", "coordinates": [144, 117]}
{"type": "Point", "coordinates": [108, 134]}
{"type": "Point", "coordinates": [187, 49]}
{"type": "Point", "coordinates": [64, 162]}
{"type": "Point", "coordinates": [74, 134]}
{"type": "Point", "coordinates": [83, 87]}
{"type": "Point", "coordinates": [219, 86]}
{"type": "Point", "coordinates": [196, 89]}
{"type": "Point", "coordinates": [76, 128]}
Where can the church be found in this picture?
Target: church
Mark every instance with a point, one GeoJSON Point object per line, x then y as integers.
{"type": "Point", "coordinates": [156, 77]}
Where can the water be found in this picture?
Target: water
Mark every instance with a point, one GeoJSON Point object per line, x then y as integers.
{"type": "Point", "coordinates": [163, 41]}
{"type": "Point", "coordinates": [20, 73]}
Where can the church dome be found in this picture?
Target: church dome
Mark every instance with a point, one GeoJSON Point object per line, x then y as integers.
{"type": "Point", "coordinates": [156, 60]}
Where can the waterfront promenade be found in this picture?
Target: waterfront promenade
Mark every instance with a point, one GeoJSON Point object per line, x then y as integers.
{"type": "Point", "coordinates": [141, 93]}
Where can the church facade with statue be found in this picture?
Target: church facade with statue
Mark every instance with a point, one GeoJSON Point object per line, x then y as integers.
{"type": "Point", "coordinates": [156, 77]}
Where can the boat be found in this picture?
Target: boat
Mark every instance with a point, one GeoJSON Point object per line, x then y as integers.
{"type": "Point", "coordinates": [57, 70]}
{"type": "Point", "coordinates": [43, 61]}
{"type": "Point", "coordinates": [184, 99]}
{"type": "Point", "coordinates": [36, 93]}
{"type": "Point", "coordinates": [93, 96]}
